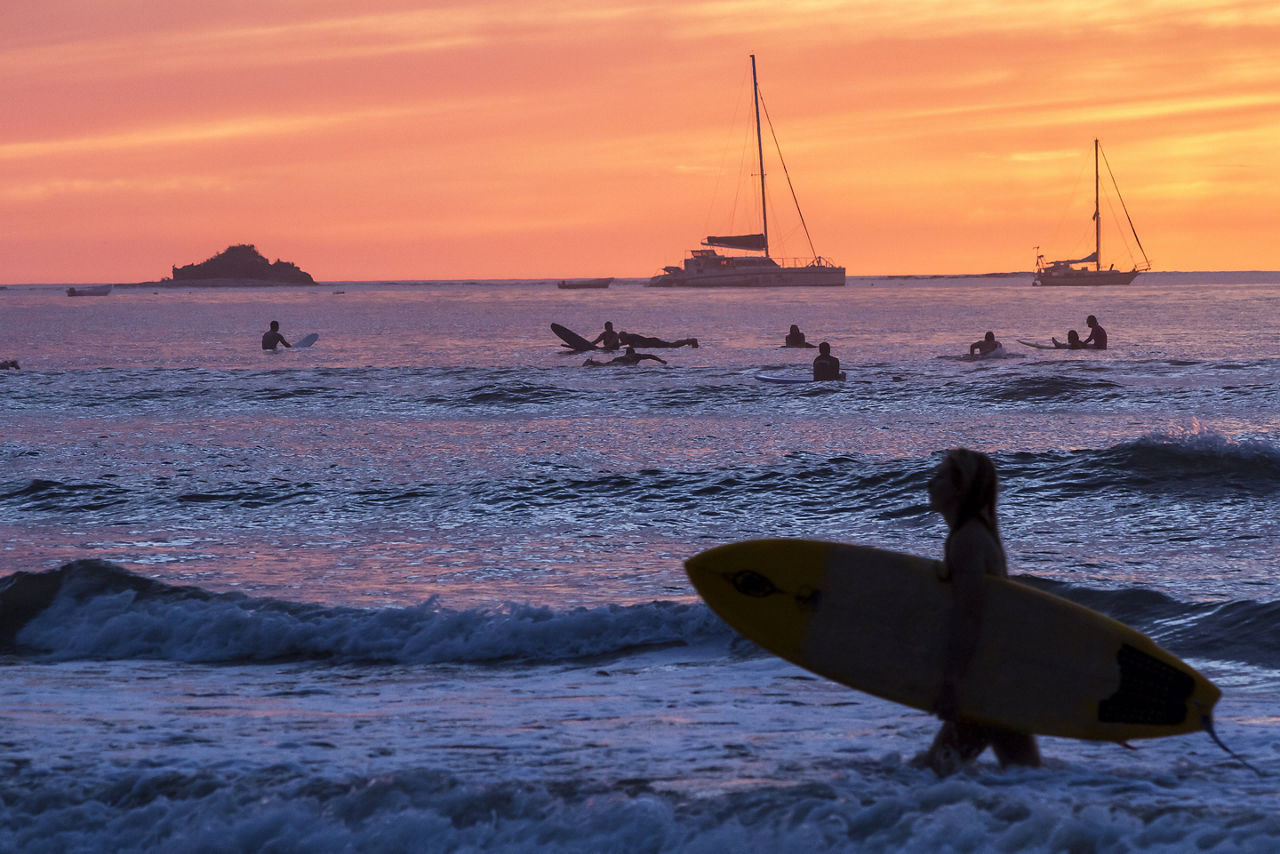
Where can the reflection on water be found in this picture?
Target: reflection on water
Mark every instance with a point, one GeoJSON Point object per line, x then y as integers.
{"type": "Point", "coordinates": [436, 440]}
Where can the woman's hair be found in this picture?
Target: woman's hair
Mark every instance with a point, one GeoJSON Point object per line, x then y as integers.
{"type": "Point", "coordinates": [974, 477]}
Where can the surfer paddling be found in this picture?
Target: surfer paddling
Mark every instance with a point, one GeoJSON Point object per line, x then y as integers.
{"type": "Point", "coordinates": [630, 339]}
{"type": "Point", "coordinates": [988, 344]}
{"type": "Point", "coordinates": [963, 490]}
{"type": "Point", "coordinates": [628, 357]}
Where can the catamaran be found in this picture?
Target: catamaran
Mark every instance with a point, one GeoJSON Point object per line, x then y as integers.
{"type": "Point", "coordinates": [707, 268]}
{"type": "Point", "coordinates": [1062, 273]}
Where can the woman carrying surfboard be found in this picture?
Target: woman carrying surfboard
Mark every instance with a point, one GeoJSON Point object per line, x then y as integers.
{"type": "Point", "coordinates": [963, 490]}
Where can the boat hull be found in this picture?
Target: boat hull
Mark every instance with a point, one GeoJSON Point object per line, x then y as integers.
{"type": "Point", "coordinates": [89, 291]}
{"type": "Point", "coordinates": [580, 284]}
{"type": "Point", "coordinates": [1084, 278]}
{"type": "Point", "coordinates": [778, 277]}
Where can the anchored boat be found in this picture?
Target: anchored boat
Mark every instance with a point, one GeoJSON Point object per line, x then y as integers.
{"type": "Point", "coordinates": [1062, 273]}
{"type": "Point", "coordinates": [707, 268]}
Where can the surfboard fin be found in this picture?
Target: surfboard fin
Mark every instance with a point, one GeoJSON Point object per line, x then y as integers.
{"type": "Point", "coordinates": [1208, 727]}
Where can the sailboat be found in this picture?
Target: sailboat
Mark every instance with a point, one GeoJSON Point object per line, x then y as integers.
{"type": "Point", "coordinates": [1062, 273]}
{"type": "Point", "coordinates": [707, 268]}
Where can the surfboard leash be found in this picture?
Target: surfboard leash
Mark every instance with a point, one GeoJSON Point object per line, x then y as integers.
{"type": "Point", "coordinates": [1208, 727]}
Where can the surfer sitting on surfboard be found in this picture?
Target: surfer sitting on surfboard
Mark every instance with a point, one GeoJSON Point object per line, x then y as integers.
{"type": "Point", "coordinates": [963, 490]}
{"type": "Point", "coordinates": [1097, 335]}
{"type": "Point", "coordinates": [608, 339]}
{"type": "Point", "coordinates": [272, 337]}
{"type": "Point", "coordinates": [988, 344]}
{"type": "Point", "coordinates": [795, 338]}
{"type": "Point", "coordinates": [629, 357]}
{"type": "Point", "coordinates": [826, 366]}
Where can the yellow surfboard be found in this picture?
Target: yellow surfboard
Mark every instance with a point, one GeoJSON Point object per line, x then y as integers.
{"type": "Point", "coordinates": [877, 621]}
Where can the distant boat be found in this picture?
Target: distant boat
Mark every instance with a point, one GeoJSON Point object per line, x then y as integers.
{"type": "Point", "coordinates": [90, 291]}
{"type": "Point", "coordinates": [1050, 273]}
{"type": "Point", "coordinates": [707, 268]}
{"type": "Point", "coordinates": [577, 284]}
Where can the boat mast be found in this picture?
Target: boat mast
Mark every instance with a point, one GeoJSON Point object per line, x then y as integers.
{"type": "Point", "coordinates": [764, 211]}
{"type": "Point", "coordinates": [1097, 218]}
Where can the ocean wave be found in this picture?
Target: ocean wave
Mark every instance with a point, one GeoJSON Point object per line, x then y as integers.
{"type": "Point", "coordinates": [1019, 389]}
{"type": "Point", "coordinates": [800, 488]}
{"type": "Point", "coordinates": [1240, 631]}
{"type": "Point", "coordinates": [91, 609]}
{"type": "Point", "coordinates": [1194, 461]}
{"type": "Point", "coordinates": [864, 805]}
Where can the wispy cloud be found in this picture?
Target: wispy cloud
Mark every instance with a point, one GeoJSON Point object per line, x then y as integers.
{"type": "Point", "coordinates": [238, 128]}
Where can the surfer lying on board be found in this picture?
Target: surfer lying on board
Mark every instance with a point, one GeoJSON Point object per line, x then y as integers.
{"type": "Point", "coordinates": [825, 365]}
{"type": "Point", "coordinates": [988, 344]}
{"type": "Point", "coordinates": [630, 339]}
{"type": "Point", "coordinates": [1073, 341]}
{"type": "Point", "coordinates": [963, 490]}
{"type": "Point", "coordinates": [272, 337]}
{"type": "Point", "coordinates": [629, 357]}
{"type": "Point", "coordinates": [607, 339]}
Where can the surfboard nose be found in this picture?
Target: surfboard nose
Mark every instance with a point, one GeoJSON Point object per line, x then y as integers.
{"type": "Point", "coordinates": [766, 589]}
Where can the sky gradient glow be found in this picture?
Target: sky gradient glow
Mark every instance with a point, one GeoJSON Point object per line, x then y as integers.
{"type": "Point", "coordinates": [398, 139]}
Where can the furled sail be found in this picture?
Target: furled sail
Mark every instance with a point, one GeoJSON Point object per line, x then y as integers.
{"type": "Point", "coordinates": [1091, 258]}
{"type": "Point", "coordinates": [754, 242]}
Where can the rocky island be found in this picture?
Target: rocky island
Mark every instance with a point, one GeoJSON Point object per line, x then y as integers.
{"type": "Point", "coordinates": [240, 265]}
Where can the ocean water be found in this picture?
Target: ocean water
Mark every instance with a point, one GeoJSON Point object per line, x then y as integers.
{"type": "Point", "coordinates": [419, 587]}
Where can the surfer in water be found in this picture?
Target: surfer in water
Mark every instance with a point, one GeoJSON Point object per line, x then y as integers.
{"type": "Point", "coordinates": [1097, 335]}
{"type": "Point", "coordinates": [795, 338]}
{"type": "Point", "coordinates": [607, 339]}
{"type": "Point", "coordinates": [630, 339]}
{"type": "Point", "coordinates": [988, 344]}
{"type": "Point", "coordinates": [1073, 341]}
{"type": "Point", "coordinates": [629, 357]}
{"type": "Point", "coordinates": [963, 490]}
{"type": "Point", "coordinates": [825, 365]}
{"type": "Point", "coordinates": [272, 337]}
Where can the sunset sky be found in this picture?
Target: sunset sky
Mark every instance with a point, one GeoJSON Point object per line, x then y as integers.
{"type": "Point", "coordinates": [367, 139]}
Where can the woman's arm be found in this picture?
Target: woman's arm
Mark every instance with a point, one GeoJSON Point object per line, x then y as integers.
{"type": "Point", "coordinates": [967, 558]}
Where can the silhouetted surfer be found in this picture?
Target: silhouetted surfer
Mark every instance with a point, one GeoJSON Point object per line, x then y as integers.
{"type": "Point", "coordinates": [825, 365]}
{"type": "Point", "coordinates": [987, 345]}
{"type": "Point", "coordinates": [630, 357]}
{"type": "Point", "coordinates": [795, 338]}
{"type": "Point", "coordinates": [632, 340]}
{"type": "Point", "coordinates": [963, 489]}
{"type": "Point", "coordinates": [607, 339]}
{"type": "Point", "coordinates": [1097, 335]}
{"type": "Point", "coordinates": [272, 337]}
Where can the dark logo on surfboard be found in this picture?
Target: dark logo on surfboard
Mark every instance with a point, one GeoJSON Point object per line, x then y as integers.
{"type": "Point", "coordinates": [748, 582]}
{"type": "Point", "coordinates": [753, 584]}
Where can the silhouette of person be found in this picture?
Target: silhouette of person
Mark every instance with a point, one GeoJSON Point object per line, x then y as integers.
{"type": "Point", "coordinates": [1073, 341]}
{"type": "Point", "coordinates": [628, 357]}
{"type": "Point", "coordinates": [1097, 335]}
{"type": "Point", "coordinates": [825, 365]}
{"type": "Point", "coordinates": [629, 339]}
{"type": "Point", "coordinates": [963, 490]}
{"type": "Point", "coordinates": [987, 345]}
{"type": "Point", "coordinates": [795, 338]}
{"type": "Point", "coordinates": [272, 337]}
{"type": "Point", "coordinates": [608, 337]}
